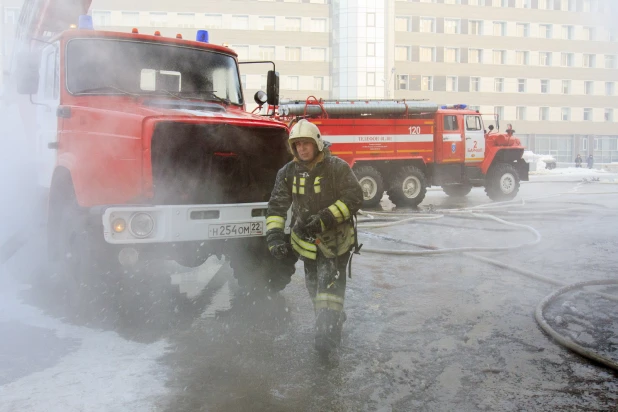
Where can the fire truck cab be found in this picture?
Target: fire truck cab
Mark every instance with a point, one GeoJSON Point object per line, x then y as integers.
{"type": "Point", "coordinates": [403, 147]}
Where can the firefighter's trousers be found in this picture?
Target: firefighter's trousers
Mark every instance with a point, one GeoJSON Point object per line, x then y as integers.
{"type": "Point", "coordinates": [325, 280]}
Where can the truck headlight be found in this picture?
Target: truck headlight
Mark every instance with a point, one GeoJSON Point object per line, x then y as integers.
{"type": "Point", "coordinates": [141, 225]}
{"type": "Point", "coordinates": [119, 225]}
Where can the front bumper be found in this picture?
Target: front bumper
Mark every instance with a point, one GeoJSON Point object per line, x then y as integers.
{"type": "Point", "coordinates": [185, 223]}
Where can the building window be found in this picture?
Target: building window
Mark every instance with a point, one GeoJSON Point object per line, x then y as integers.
{"type": "Point", "coordinates": [292, 54]}
{"type": "Point", "coordinates": [498, 85]}
{"type": "Point", "coordinates": [242, 51]}
{"type": "Point", "coordinates": [499, 28]}
{"type": "Point", "coordinates": [585, 144]}
{"type": "Point", "coordinates": [451, 83]}
{"type": "Point", "coordinates": [402, 53]}
{"type": "Point", "coordinates": [475, 27]}
{"type": "Point", "coordinates": [451, 55]}
{"type": "Point", "coordinates": [318, 83]}
{"type": "Point", "coordinates": [293, 82]}
{"type": "Point", "coordinates": [566, 87]}
{"type": "Point", "coordinates": [587, 114]}
{"type": "Point", "coordinates": [158, 19]}
{"type": "Point", "coordinates": [522, 4]}
{"type": "Point", "coordinates": [567, 32]}
{"type": "Point", "coordinates": [475, 56]}
{"type": "Point", "coordinates": [544, 58]}
{"type": "Point", "coordinates": [266, 23]}
{"type": "Point", "coordinates": [426, 83]}
{"type": "Point", "coordinates": [403, 82]}
{"type": "Point", "coordinates": [610, 61]}
{"type": "Point", "coordinates": [544, 113]}
{"type": "Point", "coordinates": [546, 4]}
{"type": "Point", "coordinates": [371, 49]}
{"type": "Point", "coordinates": [267, 52]}
{"type": "Point", "coordinates": [427, 54]}
{"type": "Point", "coordinates": [213, 21]}
{"type": "Point", "coordinates": [589, 33]}
{"type": "Point", "coordinates": [11, 15]}
{"type": "Point", "coordinates": [103, 18]}
{"type": "Point", "coordinates": [402, 24]}
{"type": "Point", "coordinates": [545, 31]}
{"type": "Point", "coordinates": [240, 22]}
{"type": "Point", "coordinates": [609, 88]}
{"type": "Point", "coordinates": [130, 18]}
{"type": "Point", "coordinates": [475, 84]}
{"type": "Point", "coordinates": [371, 19]}
{"type": "Point", "coordinates": [371, 79]}
{"type": "Point", "coordinates": [609, 115]}
{"type": "Point", "coordinates": [186, 20]}
{"type": "Point", "coordinates": [565, 113]}
{"type": "Point", "coordinates": [521, 58]}
{"type": "Point", "coordinates": [500, 3]}
{"type": "Point", "coordinates": [318, 25]}
{"type": "Point", "coordinates": [292, 24]}
{"type": "Point", "coordinates": [451, 26]}
{"type": "Point", "coordinates": [589, 60]}
{"type": "Point", "coordinates": [427, 25]}
{"type": "Point", "coordinates": [589, 87]}
{"type": "Point", "coordinates": [499, 56]}
{"type": "Point", "coordinates": [452, 1]}
{"type": "Point", "coordinates": [499, 111]}
{"type": "Point", "coordinates": [544, 86]}
{"type": "Point", "coordinates": [521, 85]}
{"type": "Point", "coordinates": [522, 29]}
{"type": "Point", "coordinates": [566, 59]}
{"type": "Point", "coordinates": [520, 113]}
{"type": "Point", "coordinates": [318, 54]}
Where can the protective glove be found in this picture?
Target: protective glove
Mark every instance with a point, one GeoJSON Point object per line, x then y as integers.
{"type": "Point", "coordinates": [277, 245]}
{"type": "Point", "coordinates": [319, 222]}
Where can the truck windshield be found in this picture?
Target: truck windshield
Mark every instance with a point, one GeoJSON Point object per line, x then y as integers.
{"type": "Point", "coordinates": [111, 66]}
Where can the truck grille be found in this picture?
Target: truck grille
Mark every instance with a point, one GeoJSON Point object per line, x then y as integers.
{"type": "Point", "coordinates": [210, 164]}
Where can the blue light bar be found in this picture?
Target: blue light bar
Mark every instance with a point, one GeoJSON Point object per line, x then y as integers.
{"type": "Point", "coordinates": [455, 106]}
{"type": "Point", "coordinates": [202, 36]}
{"type": "Point", "coordinates": [85, 22]}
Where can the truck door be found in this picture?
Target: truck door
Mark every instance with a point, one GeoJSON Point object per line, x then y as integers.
{"type": "Point", "coordinates": [452, 146]}
{"type": "Point", "coordinates": [475, 139]}
{"type": "Point", "coordinates": [48, 99]}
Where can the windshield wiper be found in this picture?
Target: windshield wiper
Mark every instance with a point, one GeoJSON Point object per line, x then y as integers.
{"type": "Point", "coordinates": [197, 94]}
{"type": "Point", "coordinates": [104, 88]}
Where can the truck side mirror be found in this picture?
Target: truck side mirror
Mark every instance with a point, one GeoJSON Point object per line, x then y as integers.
{"type": "Point", "coordinates": [272, 88]}
{"type": "Point", "coordinates": [27, 69]}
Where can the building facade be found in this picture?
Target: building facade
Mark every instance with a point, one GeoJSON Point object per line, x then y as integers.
{"type": "Point", "coordinates": [549, 67]}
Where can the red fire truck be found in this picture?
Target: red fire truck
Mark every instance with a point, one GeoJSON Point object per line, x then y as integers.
{"type": "Point", "coordinates": [403, 147]}
{"type": "Point", "coordinates": [144, 146]}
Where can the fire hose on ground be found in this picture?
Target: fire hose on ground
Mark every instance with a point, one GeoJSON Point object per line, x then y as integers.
{"type": "Point", "coordinates": [478, 212]}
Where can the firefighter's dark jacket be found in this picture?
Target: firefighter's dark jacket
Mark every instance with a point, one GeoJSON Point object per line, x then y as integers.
{"type": "Point", "coordinates": [311, 188]}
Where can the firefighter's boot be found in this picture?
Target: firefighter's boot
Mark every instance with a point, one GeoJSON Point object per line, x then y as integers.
{"type": "Point", "coordinates": [328, 326]}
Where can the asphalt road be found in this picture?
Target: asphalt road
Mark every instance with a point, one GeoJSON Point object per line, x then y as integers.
{"type": "Point", "coordinates": [423, 333]}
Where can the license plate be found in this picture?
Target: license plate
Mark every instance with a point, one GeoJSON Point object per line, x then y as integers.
{"type": "Point", "coordinates": [236, 229]}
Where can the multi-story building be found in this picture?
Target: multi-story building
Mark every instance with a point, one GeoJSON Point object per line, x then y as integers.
{"type": "Point", "coordinates": [549, 67]}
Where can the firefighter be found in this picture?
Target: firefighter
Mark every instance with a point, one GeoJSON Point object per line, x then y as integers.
{"type": "Point", "coordinates": [324, 195]}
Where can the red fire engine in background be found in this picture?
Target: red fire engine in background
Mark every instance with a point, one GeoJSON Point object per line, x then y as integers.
{"type": "Point", "coordinates": [403, 147]}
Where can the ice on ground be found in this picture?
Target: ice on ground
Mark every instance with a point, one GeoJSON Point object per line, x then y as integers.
{"type": "Point", "coordinates": [104, 373]}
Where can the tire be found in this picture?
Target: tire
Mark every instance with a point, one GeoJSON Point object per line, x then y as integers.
{"type": "Point", "coordinates": [408, 187]}
{"type": "Point", "coordinates": [86, 267]}
{"type": "Point", "coordinates": [255, 269]}
{"type": "Point", "coordinates": [502, 182]}
{"type": "Point", "coordinates": [372, 184]}
{"type": "Point", "coordinates": [457, 190]}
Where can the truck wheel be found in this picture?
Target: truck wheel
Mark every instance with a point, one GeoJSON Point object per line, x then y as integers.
{"type": "Point", "coordinates": [457, 190]}
{"type": "Point", "coordinates": [372, 184]}
{"type": "Point", "coordinates": [256, 270]}
{"type": "Point", "coordinates": [85, 270]}
{"type": "Point", "coordinates": [502, 182]}
{"type": "Point", "coordinates": [408, 187]}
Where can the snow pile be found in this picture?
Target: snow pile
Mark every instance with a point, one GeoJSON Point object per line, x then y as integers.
{"type": "Point", "coordinates": [570, 171]}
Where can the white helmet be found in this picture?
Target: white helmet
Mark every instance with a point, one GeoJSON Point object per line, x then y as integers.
{"type": "Point", "coordinates": [304, 129]}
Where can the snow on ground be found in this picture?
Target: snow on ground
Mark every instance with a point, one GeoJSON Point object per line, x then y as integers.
{"type": "Point", "coordinates": [102, 372]}
{"type": "Point", "coordinates": [571, 171]}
